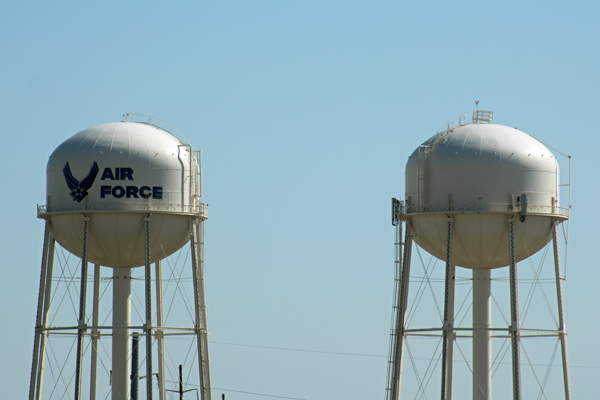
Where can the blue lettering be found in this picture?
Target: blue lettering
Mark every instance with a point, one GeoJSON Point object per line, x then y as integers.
{"type": "Point", "coordinates": [104, 190]}
{"type": "Point", "coordinates": [107, 174]}
{"type": "Point", "coordinates": [118, 192]}
{"type": "Point", "coordinates": [127, 173]}
{"type": "Point", "coordinates": [145, 192]}
{"type": "Point", "coordinates": [120, 174]}
{"type": "Point", "coordinates": [132, 191]}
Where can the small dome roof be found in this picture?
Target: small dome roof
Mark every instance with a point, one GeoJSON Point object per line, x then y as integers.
{"type": "Point", "coordinates": [143, 145]}
{"type": "Point", "coordinates": [481, 164]}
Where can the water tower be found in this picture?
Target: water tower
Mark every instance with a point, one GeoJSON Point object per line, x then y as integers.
{"type": "Point", "coordinates": [121, 195]}
{"type": "Point", "coordinates": [478, 196]}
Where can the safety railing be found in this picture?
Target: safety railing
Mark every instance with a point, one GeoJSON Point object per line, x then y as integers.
{"type": "Point", "coordinates": [485, 208]}
{"type": "Point", "coordinates": [477, 117]}
{"type": "Point", "coordinates": [200, 210]}
{"type": "Point", "coordinates": [156, 122]}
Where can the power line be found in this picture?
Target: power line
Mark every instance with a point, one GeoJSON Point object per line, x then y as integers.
{"type": "Point", "coordinates": [237, 391]}
{"type": "Point", "coordinates": [300, 350]}
{"type": "Point", "coordinates": [259, 394]}
{"type": "Point", "coordinates": [357, 354]}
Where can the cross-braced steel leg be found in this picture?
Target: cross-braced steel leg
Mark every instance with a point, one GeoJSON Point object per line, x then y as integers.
{"type": "Point", "coordinates": [159, 332]}
{"type": "Point", "coordinates": [562, 332]}
{"type": "Point", "coordinates": [448, 328]}
{"type": "Point", "coordinates": [197, 249]}
{"type": "Point", "coordinates": [41, 322]}
{"type": "Point", "coordinates": [95, 331]}
{"type": "Point", "coordinates": [403, 275]}
{"type": "Point", "coordinates": [81, 326]}
{"type": "Point", "coordinates": [514, 313]}
{"type": "Point", "coordinates": [148, 325]}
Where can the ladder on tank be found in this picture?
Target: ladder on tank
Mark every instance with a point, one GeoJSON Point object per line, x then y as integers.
{"type": "Point", "coordinates": [394, 367]}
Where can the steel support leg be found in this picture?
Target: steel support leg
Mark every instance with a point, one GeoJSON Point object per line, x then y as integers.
{"type": "Point", "coordinates": [159, 332]}
{"type": "Point", "coordinates": [403, 275]}
{"type": "Point", "coordinates": [38, 319]}
{"type": "Point", "coordinates": [197, 249]}
{"type": "Point", "coordinates": [135, 366]}
{"type": "Point", "coordinates": [83, 292]}
{"type": "Point", "coordinates": [47, 297]}
{"type": "Point", "coordinates": [148, 325]}
{"type": "Point", "coordinates": [562, 332]}
{"type": "Point", "coordinates": [95, 332]}
{"type": "Point", "coordinates": [41, 322]}
{"type": "Point", "coordinates": [514, 313]}
{"type": "Point", "coordinates": [448, 328]}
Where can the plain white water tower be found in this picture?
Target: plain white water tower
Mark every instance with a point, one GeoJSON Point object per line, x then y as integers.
{"type": "Point", "coordinates": [478, 196]}
{"type": "Point", "coordinates": [122, 195]}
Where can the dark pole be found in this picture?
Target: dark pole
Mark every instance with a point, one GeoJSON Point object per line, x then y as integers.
{"type": "Point", "coordinates": [181, 391]}
{"type": "Point", "coordinates": [135, 377]}
{"type": "Point", "coordinates": [180, 383]}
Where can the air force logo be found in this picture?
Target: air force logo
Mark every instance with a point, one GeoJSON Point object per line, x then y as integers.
{"type": "Point", "coordinates": [80, 189]}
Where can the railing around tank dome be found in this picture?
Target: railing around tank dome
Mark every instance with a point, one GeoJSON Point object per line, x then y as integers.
{"type": "Point", "coordinates": [558, 212]}
{"type": "Point", "coordinates": [155, 122]}
{"type": "Point", "coordinates": [199, 210]}
{"type": "Point", "coordinates": [477, 117]}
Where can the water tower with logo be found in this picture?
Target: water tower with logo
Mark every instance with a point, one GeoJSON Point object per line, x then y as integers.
{"type": "Point", "coordinates": [124, 196]}
{"type": "Point", "coordinates": [482, 197]}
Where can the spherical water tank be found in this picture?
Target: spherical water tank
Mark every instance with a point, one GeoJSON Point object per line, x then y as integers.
{"type": "Point", "coordinates": [116, 175]}
{"type": "Point", "coordinates": [481, 175]}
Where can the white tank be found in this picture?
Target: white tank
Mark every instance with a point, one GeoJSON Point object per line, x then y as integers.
{"type": "Point", "coordinates": [116, 174]}
{"type": "Point", "coordinates": [481, 174]}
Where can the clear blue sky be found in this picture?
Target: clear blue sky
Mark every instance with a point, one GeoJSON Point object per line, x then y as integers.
{"type": "Point", "coordinates": [306, 112]}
